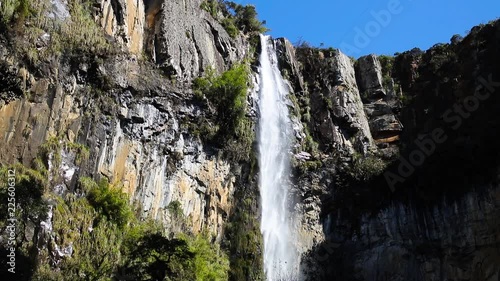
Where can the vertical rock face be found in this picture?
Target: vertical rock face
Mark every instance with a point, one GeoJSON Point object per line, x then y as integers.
{"type": "Point", "coordinates": [446, 241]}
{"type": "Point", "coordinates": [289, 65]}
{"type": "Point", "coordinates": [369, 74]}
{"type": "Point", "coordinates": [146, 150]}
{"type": "Point", "coordinates": [125, 21]}
{"type": "Point", "coordinates": [380, 108]}
{"type": "Point", "coordinates": [335, 102]}
{"type": "Point", "coordinates": [185, 39]}
{"type": "Point", "coordinates": [439, 225]}
{"type": "Point", "coordinates": [347, 104]}
{"type": "Point", "coordinates": [179, 36]}
{"type": "Point", "coordinates": [137, 140]}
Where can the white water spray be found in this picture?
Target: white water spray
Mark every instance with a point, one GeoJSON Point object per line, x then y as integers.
{"type": "Point", "coordinates": [280, 255]}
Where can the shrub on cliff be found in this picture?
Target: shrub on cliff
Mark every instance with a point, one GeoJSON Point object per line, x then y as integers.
{"type": "Point", "coordinates": [366, 167]}
{"type": "Point", "coordinates": [39, 36]}
{"type": "Point", "coordinates": [387, 63]}
{"type": "Point", "coordinates": [227, 95]}
{"type": "Point", "coordinates": [211, 6]}
{"type": "Point", "coordinates": [15, 10]}
{"type": "Point", "coordinates": [230, 27]}
{"type": "Point", "coordinates": [109, 201]}
{"type": "Point", "coordinates": [246, 18]}
{"type": "Point", "coordinates": [234, 17]}
{"type": "Point", "coordinates": [29, 187]}
{"type": "Point", "coordinates": [152, 256]}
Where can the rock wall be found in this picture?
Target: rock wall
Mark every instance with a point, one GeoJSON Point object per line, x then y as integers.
{"type": "Point", "coordinates": [336, 109]}
{"type": "Point", "coordinates": [451, 240]}
{"type": "Point", "coordinates": [135, 111]}
{"type": "Point", "coordinates": [133, 119]}
{"type": "Point", "coordinates": [199, 41]}
{"type": "Point", "coordinates": [125, 21]}
{"type": "Point", "coordinates": [136, 141]}
{"type": "Point", "coordinates": [177, 35]}
{"type": "Point", "coordinates": [439, 223]}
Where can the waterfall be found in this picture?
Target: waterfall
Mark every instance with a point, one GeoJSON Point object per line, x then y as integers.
{"type": "Point", "coordinates": [274, 135]}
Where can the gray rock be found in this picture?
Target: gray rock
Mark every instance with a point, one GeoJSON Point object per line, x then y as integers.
{"type": "Point", "coordinates": [186, 40]}
{"type": "Point", "coordinates": [347, 105]}
{"type": "Point", "coordinates": [446, 241]}
{"type": "Point", "coordinates": [377, 109]}
{"type": "Point", "coordinates": [385, 123]}
{"type": "Point", "coordinates": [369, 74]}
{"type": "Point", "coordinates": [288, 63]}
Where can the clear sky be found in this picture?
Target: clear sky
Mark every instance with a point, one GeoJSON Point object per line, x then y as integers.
{"type": "Point", "coordinates": [360, 27]}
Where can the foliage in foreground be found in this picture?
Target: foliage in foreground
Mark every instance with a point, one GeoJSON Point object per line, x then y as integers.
{"type": "Point", "coordinates": [96, 237]}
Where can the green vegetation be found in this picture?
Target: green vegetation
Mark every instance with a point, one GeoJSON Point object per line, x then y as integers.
{"type": "Point", "coordinates": [30, 210]}
{"type": "Point", "coordinates": [308, 166]}
{"type": "Point", "coordinates": [211, 6]}
{"type": "Point", "coordinates": [309, 144]}
{"type": "Point", "coordinates": [234, 17]}
{"type": "Point", "coordinates": [95, 246]}
{"type": "Point", "coordinates": [51, 151]}
{"type": "Point", "coordinates": [210, 262]}
{"type": "Point", "coordinates": [243, 238]}
{"type": "Point", "coordinates": [109, 201]}
{"type": "Point", "coordinates": [83, 32]}
{"type": "Point", "coordinates": [29, 20]}
{"type": "Point", "coordinates": [175, 210]}
{"type": "Point", "coordinates": [100, 238]}
{"type": "Point", "coordinates": [30, 186]}
{"type": "Point", "coordinates": [389, 84]}
{"type": "Point", "coordinates": [301, 110]}
{"type": "Point", "coordinates": [152, 256]}
{"type": "Point", "coordinates": [366, 167]}
{"type": "Point", "coordinates": [15, 11]}
{"type": "Point", "coordinates": [82, 152]}
{"type": "Point", "coordinates": [230, 27]}
{"type": "Point", "coordinates": [406, 99]}
{"type": "Point", "coordinates": [245, 18]}
{"type": "Point", "coordinates": [226, 94]}
{"type": "Point", "coordinates": [387, 63]}
{"type": "Point", "coordinates": [440, 59]}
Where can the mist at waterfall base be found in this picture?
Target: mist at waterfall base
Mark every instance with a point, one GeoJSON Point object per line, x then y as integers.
{"type": "Point", "coordinates": [281, 261]}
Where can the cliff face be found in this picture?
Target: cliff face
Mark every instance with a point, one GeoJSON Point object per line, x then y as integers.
{"type": "Point", "coordinates": [449, 240]}
{"type": "Point", "coordinates": [205, 42]}
{"type": "Point", "coordinates": [430, 212]}
{"type": "Point", "coordinates": [123, 20]}
{"type": "Point", "coordinates": [133, 113]}
{"type": "Point", "coordinates": [353, 122]}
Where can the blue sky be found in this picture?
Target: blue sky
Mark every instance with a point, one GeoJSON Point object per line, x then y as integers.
{"type": "Point", "coordinates": [360, 27]}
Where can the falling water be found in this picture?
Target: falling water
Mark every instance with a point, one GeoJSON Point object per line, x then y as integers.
{"type": "Point", "coordinates": [280, 255]}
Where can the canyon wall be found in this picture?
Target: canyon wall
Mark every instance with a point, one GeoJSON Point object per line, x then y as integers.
{"type": "Point", "coordinates": [354, 121]}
